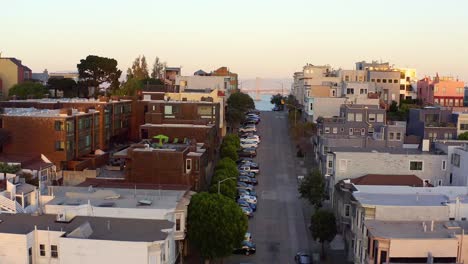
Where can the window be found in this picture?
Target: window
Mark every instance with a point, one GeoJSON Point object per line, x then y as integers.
{"type": "Point", "coordinates": [350, 91]}
{"type": "Point", "coordinates": [350, 131]}
{"type": "Point", "coordinates": [30, 255]}
{"type": "Point", "coordinates": [347, 210]}
{"type": "Point", "coordinates": [358, 117]}
{"type": "Point", "coordinates": [384, 80]}
{"type": "Point", "coordinates": [439, 182]}
{"type": "Point", "coordinates": [204, 111]}
{"type": "Point", "coordinates": [463, 126]}
{"type": "Point", "coordinates": [42, 250]}
{"type": "Point", "coordinates": [391, 136]}
{"type": "Point", "coordinates": [350, 116]}
{"type": "Point", "coordinates": [395, 81]}
{"type": "Point", "coordinates": [363, 131]}
{"type": "Point", "coordinates": [444, 165]}
{"type": "Point", "coordinates": [59, 145]}
{"type": "Point", "coordinates": [363, 91]}
{"type": "Point", "coordinates": [54, 251]}
{"type": "Point", "coordinates": [178, 227]}
{"type": "Point", "coordinates": [335, 130]}
{"type": "Point", "coordinates": [311, 106]}
{"type": "Point", "coordinates": [327, 130]}
{"type": "Point", "coordinates": [378, 80]}
{"type": "Point", "coordinates": [372, 80]}
{"type": "Point", "coordinates": [188, 165]}
{"type": "Point", "coordinates": [346, 78]}
{"type": "Point", "coordinates": [451, 178]}
{"type": "Point", "coordinates": [416, 165]}
{"type": "Point", "coordinates": [341, 129]}
{"type": "Point", "coordinates": [380, 118]}
{"type": "Point", "coordinates": [371, 117]}
{"type": "Point", "coordinates": [398, 136]}
{"type": "Point", "coordinates": [59, 126]}
{"type": "Point", "coordinates": [455, 160]}
{"type": "Point", "coordinates": [370, 131]}
{"type": "Point", "coordinates": [330, 164]}
{"type": "Point", "coordinates": [436, 89]}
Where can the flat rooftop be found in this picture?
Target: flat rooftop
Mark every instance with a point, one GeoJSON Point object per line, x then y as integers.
{"type": "Point", "coordinates": [379, 150]}
{"type": "Point", "coordinates": [34, 112]}
{"type": "Point", "coordinates": [178, 125]}
{"type": "Point", "coordinates": [414, 229]}
{"type": "Point", "coordinates": [116, 197]}
{"type": "Point", "coordinates": [182, 102]}
{"type": "Point", "coordinates": [410, 196]}
{"type": "Point", "coordinates": [102, 228]}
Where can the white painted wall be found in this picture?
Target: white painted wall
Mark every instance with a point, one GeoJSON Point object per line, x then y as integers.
{"type": "Point", "coordinates": [13, 249]}
{"type": "Point", "coordinates": [203, 82]}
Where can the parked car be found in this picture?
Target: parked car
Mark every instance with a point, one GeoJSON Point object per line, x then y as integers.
{"type": "Point", "coordinates": [248, 145]}
{"type": "Point", "coordinates": [243, 160]}
{"type": "Point", "coordinates": [243, 185]}
{"type": "Point", "coordinates": [247, 174]}
{"type": "Point", "coordinates": [247, 129]}
{"type": "Point", "coordinates": [276, 108]}
{"type": "Point", "coordinates": [248, 134]}
{"type": "Point", "coordinates": [247, 152]}
{"type": "Point", "coordinates": [253, 111]}
{"type": "Point", "coordinates": [302, 258]}
{"type": "Point", "coordinates": [244, 203]}
{"type": "Point", "coordinates": [247, 168]}
{"type": "Point", "coordinates": [249, 198]}
{"type": "Point", "coordinates": [252, 165]}
{"type": "Point", "coordinates": [249, 140]}
{"type": "Point", "coordinates": [247, 211]}
{"type": "Point", "coordinates": [246, 248]}
{"type": "Point", "coordinates": [246, 192]}
{"type": "Point", "coordinates": [248, 237]}
{"type": "Point", "coordinates": [251, 137]}
{"type": "Point", "coordinates": [250, 122]}
{"type": "Point", "coordinates": [248, 180]}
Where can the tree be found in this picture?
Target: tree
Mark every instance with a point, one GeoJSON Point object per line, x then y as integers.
{"type": "Point", "coordinates": [28, 89]}
{"type": "Point", "coordinates": [323, 227]}
{"type": "Point", "coordinates": [6, 168]}
{"type": "Point", "coordinates": [232, 139]}
{"type": "Point", "coordinates": [216, 225]}
{"type": "Point", "coordinates": [240, 101]}
{"type": "Point", "coordinates": [158, 69]}
{"type": "Point", "coordinates": [229, 166]}
{"type": "Point", "coordinates": [67, 85]}
{"type": "Point", "coordinates": [463, 136]}
{"type": "Point", "coordinates": [393, 107]}
{"type": "Point", "coordinates": [277, 99]}
{"type": "Point", "coordinates": [229, 151]}
{"type": "Point", "coordinates": [227, 188]}
{"type": "Point", "coordinates": [139, 69]}
{"type": "Point", "coordinates": [130, 87]}
{"type": "Point", "coordinates": [312, 188]}
{"type": "Point", "coordinates": [95, 71]}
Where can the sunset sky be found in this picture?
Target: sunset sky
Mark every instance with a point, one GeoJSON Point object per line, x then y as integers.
{"type": "Point", "coordinates": [269, 39]}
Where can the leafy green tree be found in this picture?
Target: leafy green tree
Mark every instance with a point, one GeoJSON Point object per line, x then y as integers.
{"type": "Point", "coordinates": [216, 225]}
{"type": "Point", "coordinates": [393, 107]}
{"type": "Point", "coordinates": [312, 188]}
{"type": "Point", "coordinates": [28, 89]}
{"type": "Point", "coordinates": [227, 188]}
{"type": "Point", "coordinates": [234, 116]}
{"type": "Point", "coordinates": [277, 99]}
{"type": "Point", "coordinates": [158, 69]}
{"type": "Point", "coordinates": [139, 69]}
{"type": "Point", "coordinates": [130, 87]}
{"type": "Point", "coordinates": [323, 227]}
{"type": "Point", "coordinates": [229, 166]}
{"type": "Point", "coordinates": [240, 101]}
{"type": "Point", "coordinates": [232, 139]}
{"type": "Point", "coordinates": [229, 151]}
{"type": "Point", "coordinates": [463, 136]}
{"type": "Point", "coordinates": [95, 70]}
{"type": "Point", "coordinates": [67, 85]}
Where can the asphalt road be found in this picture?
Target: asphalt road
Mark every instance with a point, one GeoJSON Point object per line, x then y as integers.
{"type": "Point", "coordinates": [278, 227]}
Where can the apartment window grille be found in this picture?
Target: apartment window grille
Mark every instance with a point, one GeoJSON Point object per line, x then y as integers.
{"type": "Point", "coordinates": [54, 251]}
{"type": "Point", "coordinates": [335, 130]}
{"type": "Point", "coordinates": [416, 165]}
{"type": "Point", "coordinates": [42, 250]}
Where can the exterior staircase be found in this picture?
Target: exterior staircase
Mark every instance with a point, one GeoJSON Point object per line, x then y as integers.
{"type": "Point", "coordinates": [10, 206]}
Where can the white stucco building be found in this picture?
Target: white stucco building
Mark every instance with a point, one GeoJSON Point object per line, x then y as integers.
{"type": "Point", "coordinates": [52, 239]}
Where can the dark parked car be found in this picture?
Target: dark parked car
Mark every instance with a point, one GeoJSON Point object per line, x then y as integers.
{"type": "Point", "coordinates": [248, 180]}
{"type": "Point", "coordinates": [243, 160]}
{"type": "Point", "coordinates": [243, 185]}
{"type": "Point", "coordinates": [247, 152]}
{"type": "Point", "coordinates": [246, 248]}
{"type": "Point", "coordinates": [302, 258]}
{"type": "Point", "coordinates": [247, 211]}
{"type": "Point", "coordinates": [244, 203]}
{"type": "Point", "coordinates": [247, 174]}
{"type": "Point", "coordinates": [246, 192]}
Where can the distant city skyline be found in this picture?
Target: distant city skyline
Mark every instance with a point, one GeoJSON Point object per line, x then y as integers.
{"type": "Point", "coordinates": [268, 39]}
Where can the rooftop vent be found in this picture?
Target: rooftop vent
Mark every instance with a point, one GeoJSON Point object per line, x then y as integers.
{"type": "Point", "coordinates": [145, 202]}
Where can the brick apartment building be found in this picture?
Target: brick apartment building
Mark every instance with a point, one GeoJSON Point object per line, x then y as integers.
{"type": "Point", "coordinates": [179, 120]}
{"type": "Point", "coordinates": [67, 137]}
{"type": "Point", "coordinates": [114, 115]}
{"type": "Point", "coordinates": [169, 164]}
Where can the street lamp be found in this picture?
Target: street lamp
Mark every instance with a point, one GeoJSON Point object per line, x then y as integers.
{"type": "Point", "coordinates": [295, 111]}
{"type": "Point", "coordinates": [219, 183]}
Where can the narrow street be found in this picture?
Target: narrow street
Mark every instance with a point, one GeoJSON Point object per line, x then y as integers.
{"type": "Point", "coordinates": [279, 227]}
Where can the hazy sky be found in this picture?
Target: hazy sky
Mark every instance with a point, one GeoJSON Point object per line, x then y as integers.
{"type": "Point", "coordinates": [270, 39]}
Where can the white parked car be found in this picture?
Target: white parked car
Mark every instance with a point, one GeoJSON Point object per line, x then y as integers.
{"type": "Point", "coordinates": [249, 198]}
{"type": "Point", "coordinates": [248, 145]}
{"type": "Point", "coordinates": [248, 129]}
{"type": "Point", "coordinates": [247, 168]}
{"type": "Point", "coordinates": [249, 140]}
